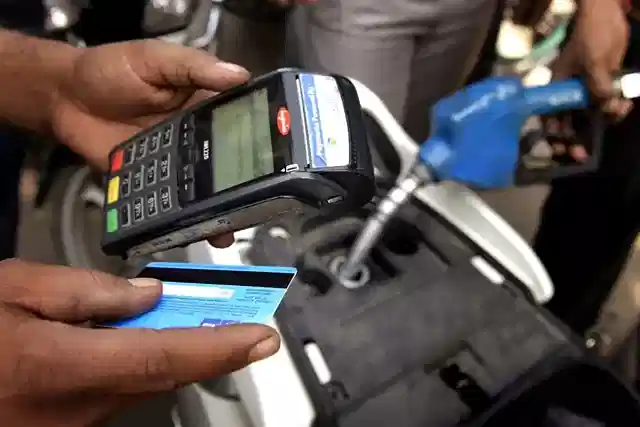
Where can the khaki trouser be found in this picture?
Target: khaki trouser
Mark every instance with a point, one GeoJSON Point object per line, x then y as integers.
{"type": "Point", "coordinates": [410, 52]}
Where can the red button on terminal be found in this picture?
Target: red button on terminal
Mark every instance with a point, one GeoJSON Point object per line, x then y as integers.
{"type": "Point", "coordinates": [116, 163]}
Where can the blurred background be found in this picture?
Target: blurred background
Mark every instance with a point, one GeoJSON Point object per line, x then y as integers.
{"type": "Point", "coordinates": [49, 171]}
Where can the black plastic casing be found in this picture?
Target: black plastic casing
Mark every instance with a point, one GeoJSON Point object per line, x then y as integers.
{"type": "Point", "coordinates": [327, 189]}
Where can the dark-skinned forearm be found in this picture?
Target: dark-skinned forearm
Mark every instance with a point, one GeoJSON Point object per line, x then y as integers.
{"type": "Point", "coordinates": [31, 72]}
{"type": "Point", "coordinates": [625, 4]}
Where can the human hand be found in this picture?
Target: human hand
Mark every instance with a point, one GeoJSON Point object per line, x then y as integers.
{"type": "Point", "coordinates": [55, 372]}
{"type": "Point", "coordinates": [118, 90]}
{"type": "Point", "coordinates": [595, 51]}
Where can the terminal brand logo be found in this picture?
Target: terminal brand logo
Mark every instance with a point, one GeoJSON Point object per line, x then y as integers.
{"type": "Point", "coordinates": [284, 121]}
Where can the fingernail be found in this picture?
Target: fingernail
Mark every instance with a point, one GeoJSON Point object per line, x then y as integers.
{"type": "Point", "coordinates": [264, 349]}
{"type": "Point", "coordinates": [232, 67]}
{"type": "Point", "coordinates": [144, 283]}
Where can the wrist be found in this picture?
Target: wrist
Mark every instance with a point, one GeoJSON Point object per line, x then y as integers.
{"type": "Point", "coordinates": [34, 72]}
{"type": "Point", "coordinates": [59, 64]}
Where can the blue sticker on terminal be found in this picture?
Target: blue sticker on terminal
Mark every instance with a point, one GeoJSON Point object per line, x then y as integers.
{"type": "Point", "coordinates": [195, 295]}
{"type": "Point", "coordinates": [325, 121]}
{"type": "Point", "coordinates": [312, 118]}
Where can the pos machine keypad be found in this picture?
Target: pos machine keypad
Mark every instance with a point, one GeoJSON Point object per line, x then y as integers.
{"type": "Point", "coordinates": [151, 175]}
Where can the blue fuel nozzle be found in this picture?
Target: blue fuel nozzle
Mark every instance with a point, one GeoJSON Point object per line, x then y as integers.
{"type": "Point", "coordinates": [476, 131]}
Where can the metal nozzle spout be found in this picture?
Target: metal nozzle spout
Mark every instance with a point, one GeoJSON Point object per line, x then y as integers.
{"type": "Point", "coordinates": [374, 227]}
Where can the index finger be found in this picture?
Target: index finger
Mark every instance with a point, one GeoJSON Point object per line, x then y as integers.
{"type": "Point", "coordinates": [132, 361]}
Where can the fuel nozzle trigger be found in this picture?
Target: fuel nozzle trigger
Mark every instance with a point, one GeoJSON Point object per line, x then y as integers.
{"type": "Point", "coordinates": [476, 131]}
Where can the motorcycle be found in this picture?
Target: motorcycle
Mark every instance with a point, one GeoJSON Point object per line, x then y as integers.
{"type": "Point", "coordinates": [66, 185]}
{"type": "Point", "coordinates": [349, 345]}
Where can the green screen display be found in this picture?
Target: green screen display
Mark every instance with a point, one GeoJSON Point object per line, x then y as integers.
{"type": "Point", "coordinates": [242, 146]}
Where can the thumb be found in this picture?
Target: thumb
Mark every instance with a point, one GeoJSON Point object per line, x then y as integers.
{"type": "Point", "coordinates": [135, 361]}
{"type": "Point", "coordinates": [74, 295]}
{"type": "Point", "coordinates": [171, 65]}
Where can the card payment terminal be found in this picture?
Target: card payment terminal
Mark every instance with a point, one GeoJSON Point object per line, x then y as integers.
{"type": "Point", "coordinates": [282, 143]}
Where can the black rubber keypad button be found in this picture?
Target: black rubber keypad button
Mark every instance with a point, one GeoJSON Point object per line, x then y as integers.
{"type": "Point", "coordinates": [154, 143]}
{"type": "Point", "coordinates": [128, 155]}
{"type": "Point", "coordinates": [165, 166]}
{"type": "Point", "coordinates": [187, 173]}
{"type": "Point", "coordinates": [125, 215]}
{"type": "Point", "coordinates": [187, 193]}
{"type": "Point", "coordinates": [152, 204]}
{"type": "Point", "coordinates": [141, 149]}
{"type": "Point", "coordinates": [186, 139]}
{"type": "Point", "coordinates": [165, 199]}
{"type": "Point", "coordinates": [138, 209]}
{"type": "Point", "coordinates": [125, 184]}
{"type": "Point", "coordinates": [152, 168]}
{"type": "Point", "coordinates": [187, 124]}
{"type": "Point", "coordinates": [138, 177]}
{"type": "Point", "coordinates": [167, 136]}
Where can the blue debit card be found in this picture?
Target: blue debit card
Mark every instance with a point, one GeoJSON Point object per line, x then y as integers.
{"type": "Point", "coordinates": [195, 295]}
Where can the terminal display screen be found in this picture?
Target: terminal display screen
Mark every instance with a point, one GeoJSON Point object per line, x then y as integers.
{"type": "Point", "coordinates": [242, 148]}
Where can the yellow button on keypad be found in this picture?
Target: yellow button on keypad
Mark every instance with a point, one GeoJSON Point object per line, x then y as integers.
{"type": "Point", "coordinates": [113, 189]}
